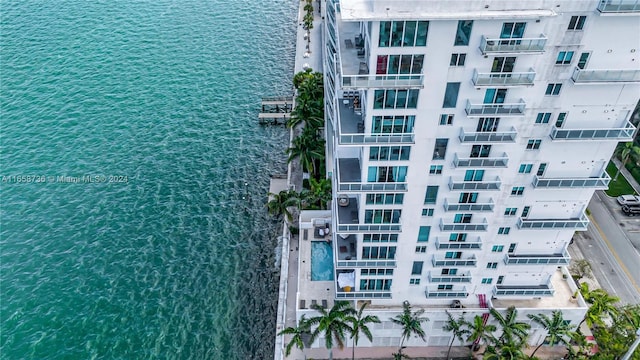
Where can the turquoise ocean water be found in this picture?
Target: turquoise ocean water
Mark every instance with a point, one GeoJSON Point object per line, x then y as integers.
{"type": "Point", "coordinates": [176, 260]}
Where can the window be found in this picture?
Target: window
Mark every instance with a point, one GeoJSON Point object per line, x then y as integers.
{"type": "Point", "coordinates": [487, 280]}
{"type": "Point", "coordinates": [403, 33]}
{"type": "Point", "coordinates": [462, 219]}
{"type": "Point", "coordinates": [510, 211]}
{"type": "Point", "coordinates": [584, 58]}
{"type": "Point", "coordinates": [446, 119]}
{"type": "Point", "coordinates": [368, 238]}
{"type": "Point", "coordinates": [387, 173]}
{"type": "Point", "coordinates": [445, 287]}
{"type": "Point", "coordinates": [488, 124]}
{"type": "Point", "coordinates": [421, 249]}
{"type": "Point", "coordinates": [564, 58]}
{"type": "Point", "coordinates": [389, 153]}
{"type": "Point", "coordinates": [533, 144]}
{"type": "Point", "coordinates": [417, 268]}
{"type": "Point", "coordinates": [399, 64]}
{"type": "Point", "coordinates": [376, 272]}
{"type": "Point", "coordinates": [553, 89]}
{"type": "Point", "coordinates": [473, 175]}
{"type": "Point", "coordinates": [435, 169]}
{"type": "Point", "coordinates": [398, 124]}
{"type": "Point", "coordinates": [517, 190]}
{"type": "Point", "coordinates": [525, 211]}
{"type": "Point", "coordinates": [423, 233]}
{"type": "Point", "coordinates": [431, 195]}
{"type": "Point", "coordinates": [380, 216]}
{"type": "Point", "coordinates": [512, 247]}
{"type": "Point", "coordinates": [453, 255]}
{"type": "Point", "coordinates": [468, 198]}
{"type": "Point", "coordinates": [512, 30]}
{"type": "Point", "coordinates": [497, 248]}
{"type": "Point", "coordinates": [494, 96]}
{"type": "Point", "coordinates": [525, 168]}
{"type": "Point", "coordinates": [379, 252]}
{"type": "Point", "coordinates": [379, 199]}
{"type": "Point", "coordinates": [451, 95]}
{"type": "Point", "coordinates": [457, 59]}
{"type": "Point", "coordinates": [463, 33]}
{"type": "Point", "coordinates": [504, 230]}
{"type": "Point", "coordinates": [560, 120]}
{"type": "Point", "coordinates": [576, 22]}
{"type": "Point", "coordinates": [543, 118]}
{"type": "Point", "coordinates": [395, 99]}
{"type": "Point", "coordinates": [500, 279]}
{"type": "Point", "coordinates": [541, 169]}
{"type": "Point", "coordinates": [503, 64]}
{"type": "Point", "coordinates": [460, 237]}
{"type": "Point", "coordinates": [449, 271]}
{"type": "Point", "coordinates": [375, 284]}
{"type": "Point", "coordinates": [414, 281]}
{"type": "Point", "coordinates": [492, 265]}
{"type": "Point", "coordinates": [480, 151]}
{"type": "Point", "coordinates": [427, 212]}
{"type": "Point", "coordinates": [440, 149]}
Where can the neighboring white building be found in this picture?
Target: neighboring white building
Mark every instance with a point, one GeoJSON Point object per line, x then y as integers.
{"type": "Point", "coordinates": [465, 139]}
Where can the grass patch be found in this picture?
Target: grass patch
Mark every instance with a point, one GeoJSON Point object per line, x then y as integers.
{"type": "Point", "coordinates": [620, 186]}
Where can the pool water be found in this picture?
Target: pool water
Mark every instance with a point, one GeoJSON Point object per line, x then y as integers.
{"type": "Point", "coordinates": [321, 261]}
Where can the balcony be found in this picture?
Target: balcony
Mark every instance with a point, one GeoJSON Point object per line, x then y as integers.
{"type": "Point", "coordinates": [454, 205]}
{"type": "Point", "coordinates": [582, 76]}
{"type": "Point", "coordinates": [513, 46]}
{"type": "Point", "coordinates": [624, 133]}
{"type": "Point", "coordinates": [500, 161]}
{"type": "Point", "coordinates": [523, 290]}
{"type": "Point", "coordinates": [453, 226]}
{"type": "Point", "coordinates": [579, 224]}
{"type": "Point", "coordinates": [504, 109]}
{"type": "Point", "coordinates": [618, 7]}
{"type": "Point", "coordinates": [366, 81]}
{"type": "Point", "coordinates": [488, 137]}
{"type": "Point", "coordinates": [438, 278]}
{"type": "Point", "coordinates": [600, 183]}
{"type": "Point", "coordinates": [442, 261]}
{"type": "Point", "coordinates": [352, 128]}
{"type": "Point", "coordinates": [350, 180]}
{"type": "Point", "coordinates": [474, 244]}
{"type": "Point", "coordinates": [458, 184]}
{"type": "Point", "coordinates": [349, 222]}
{"type": "Point", "coordinates": [454, 292]}
{"type": "Point", "coordinates": [504, 79]}
{"type": "Point", "coordinates": [363, 294]}
{"type": "Point", "coordinates": [527, 259]}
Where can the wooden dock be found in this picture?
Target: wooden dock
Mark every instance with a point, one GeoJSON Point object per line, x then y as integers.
{"type": "Point", "coordinates": [275, 110]}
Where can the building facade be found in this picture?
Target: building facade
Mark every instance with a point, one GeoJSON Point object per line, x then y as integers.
{"type": "Point", "coordinates": [464, 141]}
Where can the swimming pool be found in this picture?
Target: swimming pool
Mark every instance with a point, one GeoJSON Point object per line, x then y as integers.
{"type": "Point", "coordinates": [321, 261]}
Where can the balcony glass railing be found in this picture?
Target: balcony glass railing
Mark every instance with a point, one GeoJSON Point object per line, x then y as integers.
{"type": "Point", "coordinates": [369, 228]}
{"type": "Point", "coordinates": [503, 78]}
{"type": "Point", "coordinates": [461, 184]}
{"type": "Point", "coordinates": [454, 205]}
{"type": "Point", "coordinates": [620, 134]}
{"type": "Point", "coordinates": [500, 161]}
{"type": "Point", "coordinates": [454, 292]}
{"type": "Point", "coordinates": [583, 76]}
{"type": "Point", "coordinates": [360, 139]}
{"type": "Point", "coordinates": [488, 137]}
{"type": "Point", "coordinates": [601, 182]}
{"type": "Point", "coordinates": [524, 290]}
{"type": "Point", "coordinates": [363, 295]}
{"type": "Point", "coordinates": [619, 6]}
{"type": "Point", "coordinates": [474, 244]}
{"type": "Point", "coordinates": [442, 261]}
{"type": "Point", "coordinates": [524, 45]}
{"type": "Point", "coordinates": [366, 263]}
{"type": "Point", "coordinates": [504, 109]}
{"type": "Point", "coordinates": [555, 259]}
{"type": "Point", "coordinates": [544, 224]}
{"type": "Point", "coordinates": [382, 81]}
{"type": "Point", "coordinates": [438, 278]}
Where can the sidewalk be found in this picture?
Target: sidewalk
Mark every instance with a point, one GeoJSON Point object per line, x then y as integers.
{"type": "Point", "coordinates": [627, 175]}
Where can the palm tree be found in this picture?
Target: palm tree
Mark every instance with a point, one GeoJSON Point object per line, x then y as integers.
{"type": "Point", "coordinates": [281, 203]}
{"type": "Point", "coordinates": [509, 350]}
{"type": "Point", "coordinates": [359, 324]}
{"type": "Point", "coordinates": [480, 331]}
{"type": "Point", "coordinates": [332, 324]}
{"type": "Point", "coordinates": [557, 328]}
{"type": "Point", "coordinates": [411, 323]}
{"type": "Point", "coordinates": [511, 329]}
{"type": "Point", "coordinates": [308, 148]}
{"type": "Point", "coordinates": [601, 305]}
{"type": "Point", "coordinates": [457, 329]}
{"type": "Point", "coordinates": [319, 195]}
{"type": "Point", "coordinates": [298, 332]}
{"type": "Point", "coordinates": [624, 152]}
{"type": "Point", "coordinates": [580, 341]}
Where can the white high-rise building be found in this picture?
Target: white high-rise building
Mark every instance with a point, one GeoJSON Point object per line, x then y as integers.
{"type": "Point", "coordinates": [465, 139]}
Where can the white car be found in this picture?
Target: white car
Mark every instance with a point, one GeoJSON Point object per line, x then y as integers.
{"type": "Point", "coordinates": [629, 200]}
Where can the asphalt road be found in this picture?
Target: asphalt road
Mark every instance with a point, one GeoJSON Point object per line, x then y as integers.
{"type": "Point", "coordinates": [612, 245]}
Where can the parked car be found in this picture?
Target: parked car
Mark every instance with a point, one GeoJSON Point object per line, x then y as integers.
{"type": "Point", "coordinates": [631, 210]}
{"type": "Point", "coordinates": [629, 200]}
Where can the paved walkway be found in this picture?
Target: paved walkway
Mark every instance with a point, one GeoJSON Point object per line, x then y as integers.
{"type": "Point", "coordinates": [627, 175]}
